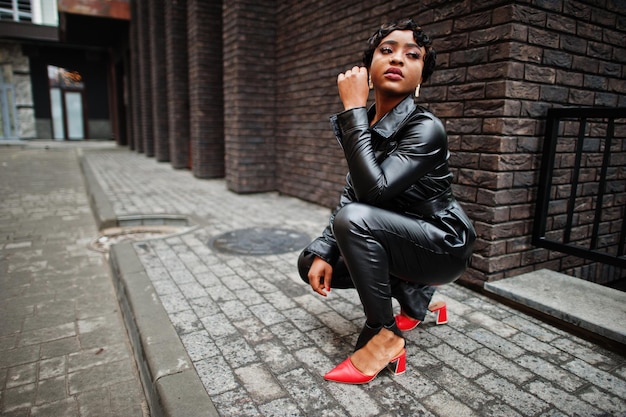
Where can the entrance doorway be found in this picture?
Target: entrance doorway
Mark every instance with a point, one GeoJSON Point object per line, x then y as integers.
{"type": "Point", "coordinates": [67, 104]}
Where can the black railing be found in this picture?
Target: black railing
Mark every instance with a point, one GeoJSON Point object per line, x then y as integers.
{"type": "Point", "coordinates": [581, 197]}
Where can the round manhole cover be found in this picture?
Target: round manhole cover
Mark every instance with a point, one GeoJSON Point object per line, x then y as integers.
{"type": "Point", "coordinates": [260, 241]}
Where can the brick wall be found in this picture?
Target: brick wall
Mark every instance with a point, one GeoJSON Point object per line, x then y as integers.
{"type": "Point", "coordinates": [134, 102]}
{"type": "Point", "coordinates": [158, 80]}
{"type": "Point", "coordinates": [263, 121]}
{"type": "Point", "coordinates": [145, 86]}
{"type": "Point", "coordinates": [503, 68]}
{"type": "Point", "coordinates": [177, 81]}
{"type": "Point", "coordinates": [204, 40]}
{"type": "Point", "coordinates": [250, 72]}
{"type": "Point", "coordinates": [500, 67]}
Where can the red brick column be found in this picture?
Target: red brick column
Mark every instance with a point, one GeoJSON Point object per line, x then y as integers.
{"type": "Point", "coordinates": [206, 111]}
{"type": "Point", "coordinates": [249, 99]}
{"type": "Point", "coordinates": [177, 81]}
{"type": "Point", "coordinates": [158, 80]}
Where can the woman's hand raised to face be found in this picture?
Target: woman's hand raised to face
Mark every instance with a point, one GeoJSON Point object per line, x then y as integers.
{"type": "Point", "coordinates": [353, 87]}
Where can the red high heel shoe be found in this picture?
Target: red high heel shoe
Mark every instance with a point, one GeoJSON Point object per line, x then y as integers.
{"type": "Point", "coordinates": [346, 372]}
{"type": "Point", "coordinates": [405, 323]}
{"type": "Point", "coordinates": [440, 310]}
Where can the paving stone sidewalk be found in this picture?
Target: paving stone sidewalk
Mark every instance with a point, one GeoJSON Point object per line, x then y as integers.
{"type": "Point", "coordinates": [255, 337]}
{"type": "Point", "coordinates": [260, 340]}
{"type": "Point", "coordinates": [64, 350]}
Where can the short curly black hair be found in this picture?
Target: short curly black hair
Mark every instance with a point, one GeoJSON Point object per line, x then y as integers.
{"type": "Point", "coordinates": [422, 39]}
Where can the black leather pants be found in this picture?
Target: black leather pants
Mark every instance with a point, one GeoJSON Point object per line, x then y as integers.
{"type": "Point", "coordinates": [387, 254]}
{"type": "Point", "coordinates": [413, 298]}
{"type": "Point", "coordinates": [376, 243]}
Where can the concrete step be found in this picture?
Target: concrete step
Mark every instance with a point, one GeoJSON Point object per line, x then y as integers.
{"type": "Point", "coordinates": [593, 307]}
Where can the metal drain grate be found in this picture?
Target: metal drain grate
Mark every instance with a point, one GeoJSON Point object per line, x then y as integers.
{"type": "Point", "coordinates": [115, 235]}
{"type": "Point", "coordinates": [260, 241]}
{"type": "Point", "coordinates": [140, 227]}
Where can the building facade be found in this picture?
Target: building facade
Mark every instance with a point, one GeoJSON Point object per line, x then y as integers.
{"type": "Point", "coordinates": [242, 90]}
{"type": "Point", "coordinates": [21, 23]}
{"type": "Point", "coordinates": [56, 59]}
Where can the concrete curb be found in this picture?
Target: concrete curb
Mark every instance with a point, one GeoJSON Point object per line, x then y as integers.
{"type": "Point", "coordinates": [100, 206]}
{"type": "Point", "coordinates": [172, 386]}
{"type": "Point", "coordinates": [170, 382]}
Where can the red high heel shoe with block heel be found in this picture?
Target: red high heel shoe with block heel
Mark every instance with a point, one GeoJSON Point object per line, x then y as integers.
{"type": "Point", "coordinates": [405, 323]}
{"type": "Point", "coordinates": [347, 373]}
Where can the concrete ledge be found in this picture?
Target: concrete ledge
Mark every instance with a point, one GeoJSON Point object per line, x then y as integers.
{"type": "Point", "coordinates": [13, 142]}
{"type": "Point", "coordinates": [593, 307]}
{"type": "Point", "coordinates": [172, 386]}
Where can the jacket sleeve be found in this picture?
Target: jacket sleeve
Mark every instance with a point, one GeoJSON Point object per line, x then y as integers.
{"type": "Point", "coordinates": [421, 146]}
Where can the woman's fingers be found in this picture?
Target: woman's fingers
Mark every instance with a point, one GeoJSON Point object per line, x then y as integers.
{"type": "Point", "coordinates": [317, 284]}
{"type": "Point", "coordinates": [320, 275]}
{"type": "Point", "coordinates": [356, 70]}
{"type": "Point", "coordinates": [353, 87]}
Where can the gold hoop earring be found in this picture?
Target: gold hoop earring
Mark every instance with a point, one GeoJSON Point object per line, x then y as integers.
{"type": "Point", "coordinates": [417, 91]}
{"type": "Point", "coordinates": [369, 82]}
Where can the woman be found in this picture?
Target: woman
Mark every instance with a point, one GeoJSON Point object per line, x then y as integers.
{"type": "Point", "coordinates": [397, 228]}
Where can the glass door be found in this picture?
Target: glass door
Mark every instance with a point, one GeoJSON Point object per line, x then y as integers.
{"type": "Point", "coordinates": [56, 104]}
{"type": "Point", "coordinates": [66, 102]}
{"type": "Point", "coordinates": [74, 109]}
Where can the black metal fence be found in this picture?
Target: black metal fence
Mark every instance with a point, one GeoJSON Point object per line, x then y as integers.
{"type": "Point", "coordinates": [581, 197]}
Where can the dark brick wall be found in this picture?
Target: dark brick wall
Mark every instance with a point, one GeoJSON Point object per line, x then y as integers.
{"type": "Point", "coordinates": [158, 80]}
{"type": "Point", "coordinates": [134, 103]}
{"type": "Point", "coordinates": [501, 66]}
{"type": "Point", "coordinates": [250, 71]}
{"type": "Point", "coordinates": [177, 81]}
{"type": "Point", "coordinates": [206, 108]}
{"type": "Point", "coordinates": [501, 69]}
{"type": "Point", "coordinates": [315, 42]}
{"type": "Point", "coordinates": [145, 86]}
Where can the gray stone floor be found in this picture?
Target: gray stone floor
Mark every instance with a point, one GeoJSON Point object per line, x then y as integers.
{"type": "Point", "coordinates": [63, 346]}
{"type": "Point", "coordinates": [261, 341]}
{"type": "Point", "coordinates": [258, 339]}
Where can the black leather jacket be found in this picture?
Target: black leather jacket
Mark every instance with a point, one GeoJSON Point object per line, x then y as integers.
{"type": "Point", "coordinates": [399, 164]}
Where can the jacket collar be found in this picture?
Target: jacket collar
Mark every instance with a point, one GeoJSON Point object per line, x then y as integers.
{"type": "Point", "coordinates": [394, 119]}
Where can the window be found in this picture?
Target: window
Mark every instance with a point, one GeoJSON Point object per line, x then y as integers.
{"type": "Point", "coordinates": [17, 10]}
{"type": "Point", "coordinates": [40, 12]}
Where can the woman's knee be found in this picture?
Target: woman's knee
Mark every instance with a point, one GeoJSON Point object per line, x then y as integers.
{"type": "Point", "coordinates": [350, 216]}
